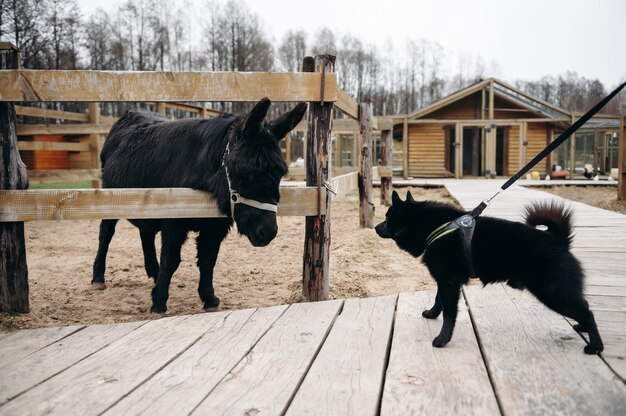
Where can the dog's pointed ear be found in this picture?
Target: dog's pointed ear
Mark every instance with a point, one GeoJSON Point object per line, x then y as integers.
{"type": "Point", "coordinates": [409, 197]}
{"type": "Point", "coordinates": [395, 198]}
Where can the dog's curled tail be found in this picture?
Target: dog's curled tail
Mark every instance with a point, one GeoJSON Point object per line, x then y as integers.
{"type": "Point", "coordinates": [553, 215]}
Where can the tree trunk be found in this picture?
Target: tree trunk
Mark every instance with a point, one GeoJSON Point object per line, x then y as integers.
{"type": "Point", "coordinates": [13, 268]}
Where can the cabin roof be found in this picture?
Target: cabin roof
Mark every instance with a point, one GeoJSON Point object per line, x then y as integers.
{"type": "Point", "coordinates": [503, 90]}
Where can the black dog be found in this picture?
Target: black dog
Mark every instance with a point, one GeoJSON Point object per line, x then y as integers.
{"type": "Point", "coordinates": [501, 250]}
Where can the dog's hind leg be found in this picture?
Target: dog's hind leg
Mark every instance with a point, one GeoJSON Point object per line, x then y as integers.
{"type": "Point", "coordinates": [448, 293]}
{"type": "Point", "coordinates": [577, 308]}
{"type": "Point", "coordinates": [434, 312]}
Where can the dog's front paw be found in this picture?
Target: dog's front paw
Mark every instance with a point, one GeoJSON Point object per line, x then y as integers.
{"type": "Point", "coordinates": [430, 314]}
{"type": "Point", "coordinates": [440, 341]}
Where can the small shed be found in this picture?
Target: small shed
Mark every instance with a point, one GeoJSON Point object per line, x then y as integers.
{"type": "Point", "coordinates": [492, 129]}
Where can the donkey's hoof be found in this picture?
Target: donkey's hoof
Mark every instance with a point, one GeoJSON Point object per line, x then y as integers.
{"type": "Point", "coordinates": [593, 349]}
{"type": "Point", "coordinates": [212, 308]}
{"type": "Point", "coordinates": [158, 309]}
{"type": "Point", "coordinates": [98, 285]}
{"type": "Point", "coordinates": [157, 315]}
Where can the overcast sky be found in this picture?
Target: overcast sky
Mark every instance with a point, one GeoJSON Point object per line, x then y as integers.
{"type": "Point", "coordinates": [527, 39]}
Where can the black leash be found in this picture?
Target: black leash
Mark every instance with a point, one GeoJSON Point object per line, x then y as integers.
{"type": "Point", "coordinates": [549, 148]}
{"type": "Point", "coordinates": [467, 222]}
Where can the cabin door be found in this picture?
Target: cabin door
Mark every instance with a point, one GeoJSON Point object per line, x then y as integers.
{"type": "Point", "coordinates": [502, 151]}
{"type": "Point", "coordinates": [472, 151]}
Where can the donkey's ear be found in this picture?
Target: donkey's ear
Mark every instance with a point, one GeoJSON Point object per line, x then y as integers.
{"type": "Point", "coordinates": [395, 198]}
{"type": "Point", "coordinates": [254, 119]}
{"type": "Point", "coordinates": [288, 121]}
{"type": "Point", "coordinates": [409, 197]}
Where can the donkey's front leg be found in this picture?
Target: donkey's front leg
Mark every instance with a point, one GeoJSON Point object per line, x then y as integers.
{"type": "Point", "coordinates": [172, 238]}
{"type": "Point", "coordinates": [208, 244]}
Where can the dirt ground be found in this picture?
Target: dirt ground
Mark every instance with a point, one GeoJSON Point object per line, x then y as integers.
{"type": "Point", "coordinates": [60, 256]}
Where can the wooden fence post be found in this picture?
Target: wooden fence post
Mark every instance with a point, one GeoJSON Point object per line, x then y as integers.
{"type": "Point", "coordinates": [13, 267]}
{"type": "Point", "coordinates": [366, 204]}
{"type": "Point", "coordinates": [160, 108]}
{"type": "Point", "coordinates": [386, 159]}
{"type": "Point", "coordinates": [96, 140]}
{"type": "Point", "coordinates": [317, 229]}
{"type": "Point", "coordinates": [621, 187]}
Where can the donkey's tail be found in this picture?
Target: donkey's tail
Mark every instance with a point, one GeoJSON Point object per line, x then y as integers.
{"type": "Point", "coordinates": [553, 215]}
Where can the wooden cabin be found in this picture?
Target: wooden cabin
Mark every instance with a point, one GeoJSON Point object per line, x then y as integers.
{"type": "Point", "coordinates": [493, 129]}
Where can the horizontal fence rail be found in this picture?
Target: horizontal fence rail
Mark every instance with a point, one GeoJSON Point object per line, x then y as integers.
{"type": "Point", "coordinates": [84, 86]}
{"type": "Point", "coordinates": [95, 204]}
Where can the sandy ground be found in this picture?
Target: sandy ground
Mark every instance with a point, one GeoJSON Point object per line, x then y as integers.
{"type": "Point", "coordinates": [60, 256]}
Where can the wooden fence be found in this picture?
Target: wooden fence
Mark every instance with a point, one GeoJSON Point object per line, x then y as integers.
{"type": "Point", "coordinates": [317, 85]}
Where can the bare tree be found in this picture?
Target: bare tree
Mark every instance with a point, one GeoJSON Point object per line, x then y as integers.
{"type": "Point", "coordinates": [292, 50]}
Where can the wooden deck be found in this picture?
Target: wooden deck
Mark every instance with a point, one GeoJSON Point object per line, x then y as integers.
{"type": "Point", "coordinates": [509, 355]}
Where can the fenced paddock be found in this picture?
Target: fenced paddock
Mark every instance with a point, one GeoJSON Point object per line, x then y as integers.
{"type": "Point", "coordinates": [317, 85]}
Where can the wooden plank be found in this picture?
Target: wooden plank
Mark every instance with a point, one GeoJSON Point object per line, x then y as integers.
{"type": "Point", "coordinates": [425, 380]}
{"type": "Point", "coordinates": [29, 85]}
{"type": "Point", "coordinates": [344, 184]}
{"type": "Point", "coordinates": [93, 204]}
{"type": "Point", "coordinates": [266, 379]}
{"type": "Point", "coordinates": [556, 376]}
{"type": "Point", "coordinates": [114, 371]}
{"type": "Point", "coordinates": [185, 382]}
{"type": "Point", "coordinates": [194, 109]}
{"type": "Point", "coordinates": [21, 375]}
{"type": "Point", "coordinates": [23, 110]}
{"type": "Point", "coordinates": [19, 344]}
{"type": "Point", "coordinates": [63, 175]}
{"type": "Point", "coordinates": [346, 103]}
{"type": "Point", "coordinates": [62, 129]}
{"type": "Point", "coordinates": [60, 146]}
{"type": "Point", "coordinates": [347, 375]}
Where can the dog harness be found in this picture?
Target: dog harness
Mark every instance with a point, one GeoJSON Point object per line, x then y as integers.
{"type": "Point", "coordinates": [465, 224]}
{"type": "Point", "coordinates": [236, 198]}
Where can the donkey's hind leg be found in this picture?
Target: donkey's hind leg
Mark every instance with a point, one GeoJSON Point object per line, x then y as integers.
{"type": "Point", "coordinates": [107, 230]}
{"type": "Point", "coordinates": [150, 261]}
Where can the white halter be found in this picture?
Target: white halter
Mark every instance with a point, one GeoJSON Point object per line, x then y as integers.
{"type": "Point", "coordinates": [236, 198]}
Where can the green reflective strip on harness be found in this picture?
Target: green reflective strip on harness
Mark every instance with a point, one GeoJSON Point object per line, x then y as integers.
{"type": "Point", "coordinates": [437, 233]}
{"type": "Point", "coordinates": [465, 224]}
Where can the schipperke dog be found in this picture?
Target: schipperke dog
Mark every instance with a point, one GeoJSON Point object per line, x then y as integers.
{"type": "Point", "coordinates": [501, 251]}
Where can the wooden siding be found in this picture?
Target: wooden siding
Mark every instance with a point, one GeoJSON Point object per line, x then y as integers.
{"type": "Point", "coordinates": [537, 141]}
{"type": "Point", "coordinates": [514, 149]}
{"type": "Point", "coordinates": [427, 150]}
{"type": "Point", "coordinates": [467, 109]}
{"type": "Point", "coordinates": [46, 159]}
